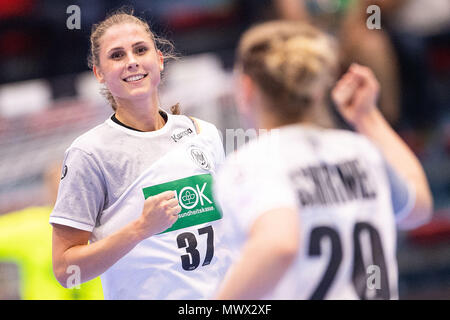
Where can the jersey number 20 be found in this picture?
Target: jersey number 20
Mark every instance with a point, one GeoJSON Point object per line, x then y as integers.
{"type": "Point", "coordinates": [187, 240]}
{"type": "Point", "coordinates": [359, 271]}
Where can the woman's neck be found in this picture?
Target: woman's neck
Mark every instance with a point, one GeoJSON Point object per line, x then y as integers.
{"type": "Point", "coordinates": [142, 115]}
{"type": "Point", "coordinates": [270, 120]}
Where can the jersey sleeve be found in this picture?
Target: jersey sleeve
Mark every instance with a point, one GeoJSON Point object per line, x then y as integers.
{"type": "Point", "coordinates": [81, 193]}
{"type": "Point", "coordinates": [402, 194]}
{"type": "Point", "coordinates": [247, 188]}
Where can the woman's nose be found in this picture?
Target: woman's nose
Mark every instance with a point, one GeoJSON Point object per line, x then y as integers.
{"type": "Point", "coordinates": [132, 63]}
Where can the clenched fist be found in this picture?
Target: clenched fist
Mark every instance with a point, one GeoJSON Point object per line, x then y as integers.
{"type": "Point", "coordinates": [356, 94]}
{"type": "Point", "coordinates": [160, 212]}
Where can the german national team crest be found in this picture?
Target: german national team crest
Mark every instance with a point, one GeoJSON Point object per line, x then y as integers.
{"type": "Point", "coordinates": [199, 157]}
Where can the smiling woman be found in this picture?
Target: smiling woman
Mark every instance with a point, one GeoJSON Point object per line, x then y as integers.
{"type": "Point", "coordinates": [110, 30]}
{"type": "Point", "coordinates": [117, 212]}
{"type": "Point", "coordinates": [130, 68]}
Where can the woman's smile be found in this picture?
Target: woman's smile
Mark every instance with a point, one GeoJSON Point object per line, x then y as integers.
{"type": "Point", "coordinates": [136, 78]}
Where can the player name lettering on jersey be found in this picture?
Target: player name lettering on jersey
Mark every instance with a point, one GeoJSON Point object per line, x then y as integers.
{"type": "Point", "coordinates": [330, 184]}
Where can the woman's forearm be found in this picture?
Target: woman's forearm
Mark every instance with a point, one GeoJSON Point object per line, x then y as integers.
{"type": "Point", "coordinates": [94, 259]}
{"type": "Point", "coordinates": [394, 149]}
{"type": "Point", "coordinates": [256, 273]}
{"type": "Point", "coordinates": [272, 246]}
{"type": "Point", "coordinates": [401, 158]}
{"type": "Point", "coordinates": [70, 246]}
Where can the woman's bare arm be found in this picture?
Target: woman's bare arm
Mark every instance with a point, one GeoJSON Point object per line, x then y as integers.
{"type": "Point", "coordinates": [70, 246]}
{"type": "Point", "coordinates": [355, 96]}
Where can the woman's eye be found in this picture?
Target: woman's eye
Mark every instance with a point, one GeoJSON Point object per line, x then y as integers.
{"type": "Point", "coordinates": [141, 50]}
{"type": "Point", "coordinates": [116, 55]}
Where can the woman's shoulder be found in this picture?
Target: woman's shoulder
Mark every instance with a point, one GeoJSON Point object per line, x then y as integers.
{"type": "Point", "coordinates": [355, 141]}
{"type": "Point", "coordinates": [92, 139]}
{"type": "Point", "coordinates": [201, 126]}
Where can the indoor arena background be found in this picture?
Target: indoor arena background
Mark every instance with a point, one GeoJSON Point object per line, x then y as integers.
{"type": "Point", "coordinates": [48, 97]}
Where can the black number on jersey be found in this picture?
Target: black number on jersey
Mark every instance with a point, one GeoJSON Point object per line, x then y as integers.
{"type": "Point", "coordinates": [359, 274]}
{"type": "Point", "coordinates": [187, 240]}
{"type": "Point", "coordinates": [315, 249]}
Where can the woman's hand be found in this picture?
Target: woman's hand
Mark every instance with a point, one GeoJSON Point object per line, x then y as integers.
{"type": "Point", "coordinates": [160, 212]}
{"type": "Point", "coordinates": [356, 94]}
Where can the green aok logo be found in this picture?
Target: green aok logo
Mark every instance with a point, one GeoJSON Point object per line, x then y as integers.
{"type": "Point", "coordinates": [195, 197]}
{"type": "Point", "coordinates": [189, 197]}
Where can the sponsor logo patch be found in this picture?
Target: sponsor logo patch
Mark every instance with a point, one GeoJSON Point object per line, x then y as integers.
{"type": "Point", "coordinates": [195, 197]}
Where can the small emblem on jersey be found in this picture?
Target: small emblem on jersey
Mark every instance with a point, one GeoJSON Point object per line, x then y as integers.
{"type": "Point", "coordinates": [199, 157]}
{"type": "Point", "coordinates": [180, 134]}
{"type": "Point", "coordinates": [64, 172]}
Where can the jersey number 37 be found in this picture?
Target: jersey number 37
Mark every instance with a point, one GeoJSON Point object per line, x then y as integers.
{"type": "Point", "coordinates": [188, 240]}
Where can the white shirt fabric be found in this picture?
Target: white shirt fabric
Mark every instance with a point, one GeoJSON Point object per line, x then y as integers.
{"type": "Point", "coordinates": [105, 173]}
{"type": "Point", "coordinates": [337, 182]}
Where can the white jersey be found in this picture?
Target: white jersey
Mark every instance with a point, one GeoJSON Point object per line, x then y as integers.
{"type": "Point", "coordinates": [337, 181]}
{"type": "Point", "coordinates": [110, 171]}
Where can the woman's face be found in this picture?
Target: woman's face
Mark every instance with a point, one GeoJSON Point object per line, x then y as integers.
{"type": "Point", "coordinates": [129, 63]}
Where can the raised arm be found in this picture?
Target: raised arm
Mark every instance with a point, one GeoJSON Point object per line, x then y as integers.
{"type": "Point", "coordinates": [355, 96]}
{"type": "Point", "coordinates": [70, 246]}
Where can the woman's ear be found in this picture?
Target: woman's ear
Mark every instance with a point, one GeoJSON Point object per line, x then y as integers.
{"type": "Point", "coordinates": [98, 74]}
{"type": "Point", "coordinates": [161, 60]}
{"type": "Point", "coordinates": [246, 96]}
{"type": "Point", "coordinates": [245, 91]}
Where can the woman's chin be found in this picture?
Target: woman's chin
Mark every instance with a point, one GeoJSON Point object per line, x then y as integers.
{"type": "Point", "coordinates": [136, 95]}
{"type": "Point", "coordinates": [139, 93]}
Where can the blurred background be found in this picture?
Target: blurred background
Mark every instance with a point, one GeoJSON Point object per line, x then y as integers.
{"type": "Point", "coordinates": [48, 97]}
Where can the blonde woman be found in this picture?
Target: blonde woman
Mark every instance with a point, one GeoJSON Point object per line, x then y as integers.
{"type": "Point", "coordinates": [135, 203]}
{"type": "Point", "coordinates": [313, 211]}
